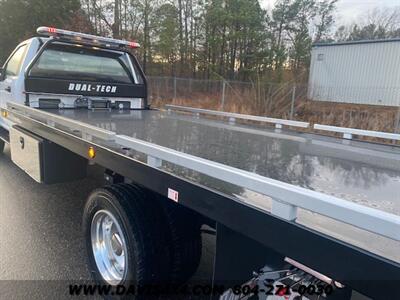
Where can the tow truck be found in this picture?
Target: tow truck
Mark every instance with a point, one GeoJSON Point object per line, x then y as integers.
{"type": "Point", "coordinates": [297, 215]}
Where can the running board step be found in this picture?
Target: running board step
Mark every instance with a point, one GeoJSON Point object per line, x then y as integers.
{"type": "Point", "coordinates": [4, 135]}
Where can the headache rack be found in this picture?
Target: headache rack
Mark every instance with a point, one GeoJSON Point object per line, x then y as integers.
{"type": "Point", "coordinates": [47, 91]}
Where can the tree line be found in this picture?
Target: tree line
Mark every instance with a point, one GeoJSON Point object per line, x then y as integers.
{"type": "Point", "coordinates": [209, 39]}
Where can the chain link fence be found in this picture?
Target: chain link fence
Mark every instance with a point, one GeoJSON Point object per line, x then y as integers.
{"type": "Point", "coordinates": [242, 97]}
{"type": "Point", "coordinates": [284, 100]}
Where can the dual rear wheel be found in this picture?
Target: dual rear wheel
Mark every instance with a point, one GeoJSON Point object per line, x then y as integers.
{"type": "Point", "coordinates": [134, 236]}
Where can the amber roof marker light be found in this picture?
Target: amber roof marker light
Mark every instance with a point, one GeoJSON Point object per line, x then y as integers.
{"type": "Point", "coordinates": [4, 113]}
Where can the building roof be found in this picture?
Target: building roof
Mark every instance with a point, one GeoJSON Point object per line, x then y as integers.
{"type": "Point", "coordinates": [327, 44]}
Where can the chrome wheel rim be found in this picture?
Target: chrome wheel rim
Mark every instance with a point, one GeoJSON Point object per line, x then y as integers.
{"type": "Point", "coordinates": [109, 247]}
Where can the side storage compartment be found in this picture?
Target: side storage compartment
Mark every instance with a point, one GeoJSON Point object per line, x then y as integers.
{"type": "Point", "coordinates": [43, 160]}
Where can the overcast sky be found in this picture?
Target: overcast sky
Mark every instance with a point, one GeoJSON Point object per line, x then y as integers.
{"type": "Point", "coordinates": [349, 10]}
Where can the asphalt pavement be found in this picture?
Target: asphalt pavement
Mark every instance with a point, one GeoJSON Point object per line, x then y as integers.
{"type": "Point", "coordinates": [41, 243]}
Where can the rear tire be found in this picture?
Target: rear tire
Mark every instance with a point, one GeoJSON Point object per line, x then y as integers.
{"type": "Point", "coordinates": [177, 230]}
{"type": "Point", "coordinates": [139, 220]}
{"type": "Point", "coordinates": [2, 144]}
{"type": "Point", "coordinates": [185, 241]}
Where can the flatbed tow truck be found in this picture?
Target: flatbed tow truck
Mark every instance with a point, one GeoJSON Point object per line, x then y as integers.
{"type": "Point", "coordinates": [297, 215]}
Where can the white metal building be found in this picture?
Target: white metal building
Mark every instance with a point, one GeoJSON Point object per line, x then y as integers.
{"type": "Point", "coordinates": [363, 72]}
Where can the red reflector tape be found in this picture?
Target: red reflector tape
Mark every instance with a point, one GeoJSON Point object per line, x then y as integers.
{"type": "Point", "coordinates": [173, 195]}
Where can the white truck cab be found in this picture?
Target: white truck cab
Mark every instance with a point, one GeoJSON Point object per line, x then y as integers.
{"type": "Point", "coordinates": [12, 85]}
{"type": "Point", "coordinates": [71, 70]}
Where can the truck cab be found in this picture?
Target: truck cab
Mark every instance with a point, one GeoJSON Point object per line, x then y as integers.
{"type": "Point", "coordinates": [69, 70]}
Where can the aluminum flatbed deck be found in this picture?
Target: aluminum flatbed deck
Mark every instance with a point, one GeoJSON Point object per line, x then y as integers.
{"type": "Point", "coordinates": [344, 189]}
{"type": "Point", "coordinates": [354, 170]}
{"type": "Point", "coordinates": [364, 173]}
